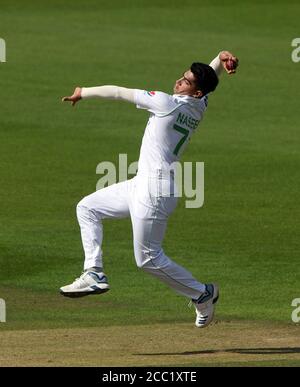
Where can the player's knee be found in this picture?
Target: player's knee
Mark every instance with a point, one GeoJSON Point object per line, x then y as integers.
{"type": "Point", "coordinates": [81, 208]}
{"type": "Point", "coordinates": [81, 212]}
{"type": "Point", "coordinates": [84, 212]}
{"type": "Point", "coordinates": [144, 265]}
{"type": "Point", "coordinates": [146, 259]}
{"type": "Point", "coordinates": [140, 258]}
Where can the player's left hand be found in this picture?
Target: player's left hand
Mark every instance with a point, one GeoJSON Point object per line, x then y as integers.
{"type": "Point", "coordinates": [229, 61]}
{"type": "Point", "coordinates": [75, 97]}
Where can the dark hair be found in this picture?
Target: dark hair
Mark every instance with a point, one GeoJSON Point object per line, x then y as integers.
{"type": "Point", "coordinates": [206, 78]}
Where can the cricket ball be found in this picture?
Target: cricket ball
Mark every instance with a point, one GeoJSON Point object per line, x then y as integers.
{"type": "Point", "coordinates": [230, 65]}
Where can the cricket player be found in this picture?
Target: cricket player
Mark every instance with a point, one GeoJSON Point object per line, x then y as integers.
{"type": "Point", "coordinates": [149, 198]}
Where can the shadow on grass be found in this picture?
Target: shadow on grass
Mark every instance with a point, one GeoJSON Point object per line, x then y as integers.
{"type": "Point", "coordinates": [250, 351]}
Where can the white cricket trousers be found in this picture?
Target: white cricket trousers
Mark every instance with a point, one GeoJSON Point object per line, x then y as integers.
{"type": "Point", "coordinates": [142, 198]}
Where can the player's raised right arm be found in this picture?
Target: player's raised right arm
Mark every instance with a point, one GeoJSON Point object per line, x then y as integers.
{"type": "Point", "coordinates": [110, 92]}
{"type": "Point", "coordinates": [225, 60]}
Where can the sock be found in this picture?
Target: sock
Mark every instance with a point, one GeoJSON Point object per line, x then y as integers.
{"type": "Point", "coordinates": [95, 269]}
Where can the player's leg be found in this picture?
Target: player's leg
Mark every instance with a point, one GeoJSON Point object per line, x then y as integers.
{"type": "Point", "coordinates": [149, 255]}
{"type": "Point", "coordinates": [149, 218]}
{"type": "Point", "coordinates": [149, 210]}
{"type": "Point", "coordinates": [109, 202]}
{"type": "Point", "coordinates": [148, 235]}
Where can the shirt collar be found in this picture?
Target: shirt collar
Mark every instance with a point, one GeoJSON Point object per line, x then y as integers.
{"type": "Point", "coordinates": [187, 99]}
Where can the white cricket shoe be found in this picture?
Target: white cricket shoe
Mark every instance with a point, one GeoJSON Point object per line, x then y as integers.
{"type": "Point", "coordinates": [88, 283]}
{"type": "Point", "coordinates": [205, 305]}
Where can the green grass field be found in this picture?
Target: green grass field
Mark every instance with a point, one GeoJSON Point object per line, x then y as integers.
{"type": "Point", "coordinates": [245, 237]}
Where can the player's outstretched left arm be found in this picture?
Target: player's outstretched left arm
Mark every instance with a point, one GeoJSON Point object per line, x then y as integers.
{"type": "Point", "coordinates": [225, 60]}
{"type": "Point", "coordinates": [110, 92]}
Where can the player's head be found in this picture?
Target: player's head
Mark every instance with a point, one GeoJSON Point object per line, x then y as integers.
{"type": "Point", "coordinates": [198, 81]}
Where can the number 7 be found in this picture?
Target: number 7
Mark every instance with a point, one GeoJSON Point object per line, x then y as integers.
{"type": "Point", "coordinates": [185, 133]}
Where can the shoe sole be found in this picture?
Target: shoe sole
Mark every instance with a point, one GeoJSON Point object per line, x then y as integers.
{"type": "Point", "coordinates": [83, 294]}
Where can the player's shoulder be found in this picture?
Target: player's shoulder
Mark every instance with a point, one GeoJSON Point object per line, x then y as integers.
{"type": "Point", "coordinates": [162, 99]}
{"type": "Point", "coordinates": [158, 95]}
{"type": "Point", "coordinates": [186, 101]}
{"type": "Point", "coordinates": [180, 98]}
{"type": "Point", "coordinates": [156, 102]}
{"type": "Point", "coordinates": [204, 100]}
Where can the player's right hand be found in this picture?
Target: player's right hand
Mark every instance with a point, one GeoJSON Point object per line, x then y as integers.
{"type": "Point", "coordinates": [229, 61]}
{"type": "Point", "coordinates": [74, 98]}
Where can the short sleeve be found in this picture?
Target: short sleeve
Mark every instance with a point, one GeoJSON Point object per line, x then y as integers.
{"type": "Point", "coordinates": [155, 102]}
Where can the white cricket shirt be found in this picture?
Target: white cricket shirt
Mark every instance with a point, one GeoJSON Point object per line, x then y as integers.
{"type": "Point", "coordinates": [173, 120]}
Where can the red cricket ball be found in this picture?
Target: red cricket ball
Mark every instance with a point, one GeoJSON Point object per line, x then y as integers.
{"type": "Point", "coordinates": [230, 64]}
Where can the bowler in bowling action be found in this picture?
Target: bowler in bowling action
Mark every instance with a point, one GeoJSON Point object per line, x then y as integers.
{"type": "Point", "coordinates": [149, 198]}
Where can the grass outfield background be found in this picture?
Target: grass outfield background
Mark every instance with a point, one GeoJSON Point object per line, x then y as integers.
{"type": "Point", "coordinates": [246, 237]}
